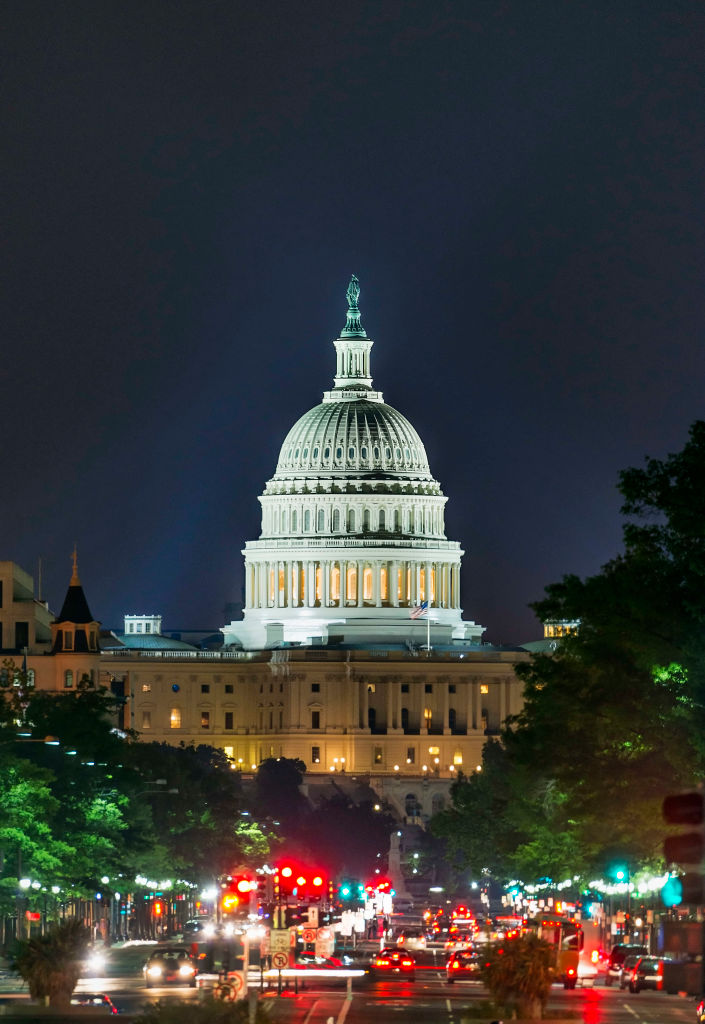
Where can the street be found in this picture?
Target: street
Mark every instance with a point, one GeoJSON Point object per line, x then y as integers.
{"type": "Point", "coordinates": [428, 1000]}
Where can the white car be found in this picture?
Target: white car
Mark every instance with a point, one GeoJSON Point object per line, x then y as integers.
{"type": "Point", "coordinates": [409, 938]}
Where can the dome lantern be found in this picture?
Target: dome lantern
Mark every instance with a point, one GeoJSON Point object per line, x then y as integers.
{"type": "Point", "coordinates": [353, 351]}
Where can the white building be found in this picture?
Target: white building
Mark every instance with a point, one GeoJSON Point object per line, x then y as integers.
{"type": "Point", "coordinates": [353, 534]}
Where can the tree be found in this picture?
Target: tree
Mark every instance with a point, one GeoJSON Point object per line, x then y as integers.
{"type": "Point", "coordinates": [51, 964]}
{"type": "Point", "coordinates": [519, 972]}
{"type": "Point", "coordinates": [614, 718]}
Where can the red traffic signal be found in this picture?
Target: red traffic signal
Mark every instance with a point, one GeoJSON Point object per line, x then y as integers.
{"type": "Point", "coordinates": [157, 908]}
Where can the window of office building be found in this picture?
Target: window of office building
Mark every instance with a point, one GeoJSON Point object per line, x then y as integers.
{"type": "Point", "coordinates": [205, 719]}
{"type": "Point", "coordinates": [315, 755]}
{"type": "Point", "coordinates": [146, 719]}
{"type": "Point", "coordinates": [315, 719]}
{"type": "Point", "coordinates": [229, 719]}
{"type": "Point", "coordinates": [377, 755]}
{"type": "Point", "coordinates": [205, 688]}
{"type": "Point", "coordinates": [175, 718]}
{"type": "Point", "coordinates": [68, 679]}
{"type": "Point", "coordinates": [228, 687]}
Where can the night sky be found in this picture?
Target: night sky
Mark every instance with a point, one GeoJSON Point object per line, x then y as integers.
{"type": "Point", "coordinates": [186, 190]}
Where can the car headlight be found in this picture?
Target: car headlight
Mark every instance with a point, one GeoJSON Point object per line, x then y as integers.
{"type": "Point", "coordinates": [155, 971]}
{"type": "Point", "coordinates": [186, 970]}
{"type": "Point", "coordinates": [95, 962]}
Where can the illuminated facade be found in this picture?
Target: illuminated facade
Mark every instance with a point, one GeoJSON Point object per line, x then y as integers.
{"type": "Point", "coordinates": [353, 535]}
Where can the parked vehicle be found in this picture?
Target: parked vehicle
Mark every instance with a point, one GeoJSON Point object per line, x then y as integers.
{"type": "Point", "coordinates": [618, 955]}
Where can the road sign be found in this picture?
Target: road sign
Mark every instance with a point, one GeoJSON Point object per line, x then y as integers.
{"type": "Point", "coordinates": [233, 987]}
{"type": "Point", "coordinates": [280, 960]}
{"type": "Point", "coordinates": [279, 940]}
{"type": "Point", "coordinates": [309, 935]}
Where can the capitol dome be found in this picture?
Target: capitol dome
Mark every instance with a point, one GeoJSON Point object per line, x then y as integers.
{"type": "Point", "coordinates": [353, 546]}
{"type": "Point", "coordinates": [363, 438]}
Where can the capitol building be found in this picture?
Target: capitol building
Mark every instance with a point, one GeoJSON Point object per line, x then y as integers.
{"type": "Point", "coordinates": [353, 533]}
{"type": "Point", "coordinates": [352, 654]}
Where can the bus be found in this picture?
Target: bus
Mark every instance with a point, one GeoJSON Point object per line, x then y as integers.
{"type": "Point", "coordinates": [564, 934]}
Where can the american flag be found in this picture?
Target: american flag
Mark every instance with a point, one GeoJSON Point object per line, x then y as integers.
{"type": "Point", "coordinates": [419, 610]}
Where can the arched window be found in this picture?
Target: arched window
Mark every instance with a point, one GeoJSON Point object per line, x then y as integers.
{"type": "Point", "coordinates": [351, 520]}
{"type": "Point", "coordinates": [284, 520]}
{"type": "Point", "coordinates": [363, 452]}
{"type": "Point", "coordinates": [351, 584]}
{"type": "Point", "coordinates": [412, 808]}
{"type": "Point", "coordinates": [405, 719]}
{"type": "Point", "coordinates": [336, 520]}
{"type": "Point", "coordinates": [307, 521]}
{"type": "Point", "coordinates": [321, 520]}
{"type": "Point", "coordinates": [294, 521]}
{"type": "Point", "coordinates": [382, 519]}
{"type": "Point", "coordinates": [366, 519]}
{"type": "Point", "coordinates": [397, 520]}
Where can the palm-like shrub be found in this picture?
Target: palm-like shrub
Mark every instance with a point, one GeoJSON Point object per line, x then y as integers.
{"type": "Point", "coordinates": [519, 973]}
{"type": "Point", "coordinates": [51, 963]}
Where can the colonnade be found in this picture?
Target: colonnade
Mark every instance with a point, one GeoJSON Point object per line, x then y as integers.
{"type": "Point", "coordinates": [351, 583]}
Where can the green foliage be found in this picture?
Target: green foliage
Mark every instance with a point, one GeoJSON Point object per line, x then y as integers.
{"type": "Point", "coordinates": [614, 718]}
{"type": "Point", "coordinates": [50, 964]}
{"type": "Point", "coordinates": [210, 1011]}
{"type": "Point", "coordinates": [518, 972]}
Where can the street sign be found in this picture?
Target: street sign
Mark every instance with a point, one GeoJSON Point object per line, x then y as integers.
{"type": "Point", "coordinates": [309, 935]}
{"type": "Point", "coordinates": [280, 960]}
{"type": "Point", "coordinates": [279, 940]}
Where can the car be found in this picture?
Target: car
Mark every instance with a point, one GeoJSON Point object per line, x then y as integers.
{"type": "Point", "coordinates": [459, 940]}
{"type": "Point", "coordinates": [464, 963]}
{"type": "Point", "coordinates": [628, 966]}
{"type": "Point", "coordinates": [94, 963]}
{"type": "Point", "coordinates": [700, 1012]}
{"type": "Point", "coordinates": [170, 965]}
{"type": "Point", "coordinates": [647, 973]}
{"type": "Point", "coordinates": [392, 960]}
{"type": "Point", "coordinates": [411, 938]}
{"type": "Point", "coordinates": [95, 1000]}
{"type": "Point", "coordinates": [618, 954]}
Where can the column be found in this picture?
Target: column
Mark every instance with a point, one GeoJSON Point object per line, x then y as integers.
{"type": "Point", "coordinates": [446, 703]}
{"type": "Point", "coordinates": [360, 601]}
{"type": "Point", "coordinates": [428, 583]}
{"type": "Point", "coordinates": [356, 703]}
{"type": "Point", "coordinates": [478, 704]}
{"type": "Point", "coordinates": [377, 584]}
{"type": "Point", "coordinates": [343, 568]}
{"type": "Point", "coordinates": [394, 585]}
{"type": "Point", "coordinates": [325, 569]}
{"type": "Point", "coordinates": [469, 706]}
{"type": "Point", "coordinates": [391, 724]}
{"type": "Point", "coordinates": [365, 705]}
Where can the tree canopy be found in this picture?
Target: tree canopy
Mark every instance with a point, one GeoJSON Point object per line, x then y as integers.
{"type": "Point", "coordinates": [613, 718]}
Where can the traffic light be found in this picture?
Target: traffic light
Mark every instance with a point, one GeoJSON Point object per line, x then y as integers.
{"type": "Point", "coordinates": [236, 895]}
{"type": "Point", "coordinates": [686, 849]}
{"type": "Point", "coordinates": [157, 908]}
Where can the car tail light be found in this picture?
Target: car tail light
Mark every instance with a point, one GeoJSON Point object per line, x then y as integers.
{"type": "Point", "coordinates": [455, 965]}
{"type": "Point", "coordinates": [407, 963]}
{"type": "Point", "coordinates": [594, 956]}
{"type": "Point", "coordinates": [570, 971]}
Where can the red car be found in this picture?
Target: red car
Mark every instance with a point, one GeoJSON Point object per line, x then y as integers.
{"type": "Point", "coordinates": [463, 963]}
{"type": "Point", "coordinates": [391, 960]}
